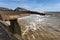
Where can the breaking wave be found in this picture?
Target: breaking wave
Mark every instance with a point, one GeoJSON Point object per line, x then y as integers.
{"type": "Point", "coordinates": [38, 27]}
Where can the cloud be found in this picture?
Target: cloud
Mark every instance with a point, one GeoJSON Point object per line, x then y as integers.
{"type": "Point", "coordinates": [41, 6]}
{"type": "Point", "coordinates": [34, 5]}
{"type": "Point", "coordinates": [31, 5]}
{"type": "Point", "coordinates": [52, 7]}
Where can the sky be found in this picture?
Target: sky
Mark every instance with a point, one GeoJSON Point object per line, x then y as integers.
{"type": "Point", "coordinates": [36, 5]}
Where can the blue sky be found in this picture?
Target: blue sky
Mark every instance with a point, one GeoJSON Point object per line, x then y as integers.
{"type": "Point", "coordinates": [36, 5]}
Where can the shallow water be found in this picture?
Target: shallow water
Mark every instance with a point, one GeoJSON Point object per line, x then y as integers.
{"type": "Point", "coordinates": [37, 27]}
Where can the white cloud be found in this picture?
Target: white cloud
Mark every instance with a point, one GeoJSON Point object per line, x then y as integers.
{"type": "Point", "coordinates": [41, 6]}
{"type": "Point", "coordinates": [32, 5]}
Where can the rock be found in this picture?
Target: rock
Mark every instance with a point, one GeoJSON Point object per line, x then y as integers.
{"type": "Point", "coordinates": [5, 34]}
